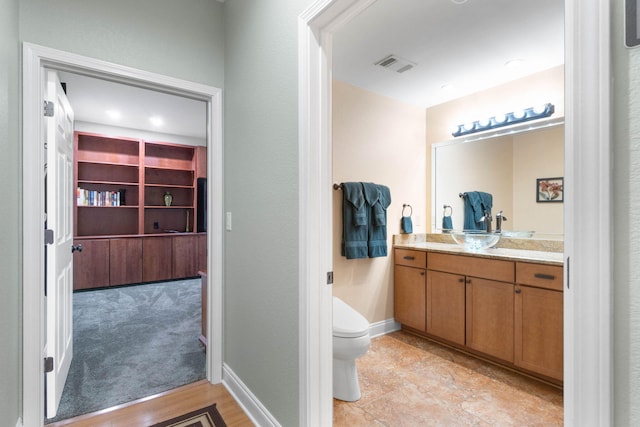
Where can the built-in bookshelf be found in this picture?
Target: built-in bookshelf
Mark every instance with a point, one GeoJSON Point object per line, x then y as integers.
{"type": "Point", "coordinates": [121, 184]}
{"type": "Point", "coordinates": [128, 232]}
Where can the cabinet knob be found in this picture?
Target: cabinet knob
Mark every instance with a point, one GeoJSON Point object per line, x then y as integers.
{"type": "Point", "coordinates": [76, 248]}
{"type": "Point", "coordinates": [517, 291]}
{"type": "Point", "coordinates": [460, 280]}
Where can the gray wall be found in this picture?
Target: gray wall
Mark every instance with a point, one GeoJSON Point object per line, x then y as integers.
{"type": "Point", "coordinates": [626, 223]}
{"type": "Point", "coordinates": [162, 36]}
{"type": "Point", "coordinates": [261, 191]}
{"type": "Point", "coordinates": [10, 211]}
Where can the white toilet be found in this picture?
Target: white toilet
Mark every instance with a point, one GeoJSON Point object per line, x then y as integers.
{"type": "Point", "coordinates": [350, 341]}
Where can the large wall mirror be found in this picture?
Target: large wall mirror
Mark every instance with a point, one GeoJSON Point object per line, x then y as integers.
{"type": "Point", "coordinates": [511, 165]}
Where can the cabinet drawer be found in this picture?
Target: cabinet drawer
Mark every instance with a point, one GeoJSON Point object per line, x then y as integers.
{"type": "Point", "coordinates": [410, 258]}
{"type": "Point", "coordinates": [493, 269]}
{"type": "Point", "coordinates": [539, 275]}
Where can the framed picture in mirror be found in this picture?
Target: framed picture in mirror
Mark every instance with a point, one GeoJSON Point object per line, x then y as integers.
{"type": "Point", "coordinates": [549, 190]}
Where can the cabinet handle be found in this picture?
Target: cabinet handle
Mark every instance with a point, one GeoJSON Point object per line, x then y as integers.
{"type": "Point", "coordinates": [544, 276]}
{"type": "Point", "coordinates": [409, 257]}
{"type": "Point", "coordinates": [76, 248]}
{"type": "Point", "coordinates": [460, 280]}
{"type": "Point", "coordinates": [518, 291]}
{"type": "Point", "coordinates": [467, 281]}
{"type": "Point", "coordinates": [422, 273]}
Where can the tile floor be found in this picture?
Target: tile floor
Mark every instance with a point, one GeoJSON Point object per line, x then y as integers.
{"type": "Point", "coordinates": [410, 381]}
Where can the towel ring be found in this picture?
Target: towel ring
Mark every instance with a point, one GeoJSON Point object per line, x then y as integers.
{"type": "Point", "coordinates": [444, 210]}
{"type": "Point", "coordinates": [407, 206]}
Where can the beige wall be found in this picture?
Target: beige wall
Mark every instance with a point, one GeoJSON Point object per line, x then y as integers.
{"type": "Point", "coordinates": [538, 154]}
{"type": "Point", "coordinates": [546, 86]}
{"type": "Point", "coordinates": [376, 139]}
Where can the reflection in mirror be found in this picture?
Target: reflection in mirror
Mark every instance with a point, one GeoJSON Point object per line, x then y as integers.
{"type": "Point", "coordinates": [507, 165]}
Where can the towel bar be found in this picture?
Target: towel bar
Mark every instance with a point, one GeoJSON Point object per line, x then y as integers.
{"type": "Point", "coordinates": [337, 186]}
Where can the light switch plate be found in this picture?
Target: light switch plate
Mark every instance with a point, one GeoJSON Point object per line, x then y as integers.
{"type": "Point", "coordinates": [228, 221]}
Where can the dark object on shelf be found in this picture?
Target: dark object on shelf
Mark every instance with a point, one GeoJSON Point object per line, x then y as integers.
{"type": "Point", "coordinates": [202, 205]}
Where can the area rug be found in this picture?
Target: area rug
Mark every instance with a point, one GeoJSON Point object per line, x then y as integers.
{"type": "Point", "coordinates": [205, 417]}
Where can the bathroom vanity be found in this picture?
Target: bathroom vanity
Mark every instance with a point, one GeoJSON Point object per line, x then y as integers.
{"type": "Point", "coordinates": [504, 305]}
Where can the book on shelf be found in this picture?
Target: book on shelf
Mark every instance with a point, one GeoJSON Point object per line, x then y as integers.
{"type": "Point", "coordinates": [86, 197]}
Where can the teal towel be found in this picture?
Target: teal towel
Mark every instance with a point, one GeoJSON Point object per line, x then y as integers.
{"type": "Point", "coordinates": [475, 203]}
{"type": "Point", "coordinates": [447, 223]}
{"type": "Point", "coordinates": [406, 224]}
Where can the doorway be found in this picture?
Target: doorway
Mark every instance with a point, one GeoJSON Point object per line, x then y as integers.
{"type": "Point", "coordinates": [587, 258]}
{"type": "Point", "coordinates": [36, 59]}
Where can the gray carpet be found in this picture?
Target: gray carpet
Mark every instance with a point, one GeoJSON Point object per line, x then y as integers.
{"type": "Point", "coordinates": [132, 342]}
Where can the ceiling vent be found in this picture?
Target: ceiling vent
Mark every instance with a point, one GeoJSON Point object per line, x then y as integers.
{"type": "Point", "coordinates": [395, 63]}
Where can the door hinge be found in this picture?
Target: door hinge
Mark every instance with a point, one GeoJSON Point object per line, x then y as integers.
{"type": "Point", "coordinates": [329, 277]}
{"type": "Point", "coordinates": [48, 364]}
{"type": "Point", "coordinates": [48, 108]}
{"type": "Point", "coordinates": [48, 237]}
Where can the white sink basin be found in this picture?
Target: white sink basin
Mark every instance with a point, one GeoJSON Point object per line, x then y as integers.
{"type": "Point", "coordinates": [475, 240]}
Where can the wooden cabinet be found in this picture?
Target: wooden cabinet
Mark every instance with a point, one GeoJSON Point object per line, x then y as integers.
{"type": "Point", "coordinates": [185, 256]}
{"type": "Point", "coordinates": [91, 265]}
{"type": "Point", "coordinates": [409, 297]}
{"type": "Point", "coordinates": [510, 311]}
{"type": "Point", "coordinates": [157, 256]}
{"type": "Point", "coordinates": [446, 306]}
{"type": "Point", "coordinates": [539, 319]}
{"type": "Point", "coordinates": [125, 261]}
{"type": "Point", "coordinates": [490, 317]}
{"type": "Point", "coordinates": [409, 294]}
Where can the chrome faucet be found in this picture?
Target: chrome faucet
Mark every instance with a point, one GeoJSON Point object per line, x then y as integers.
{"type": "Point", "coordinates": [487, 220]}
{"type": "Point", "coordinates": [499, 219]}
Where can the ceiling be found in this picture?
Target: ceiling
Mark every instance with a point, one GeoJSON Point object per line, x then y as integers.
{"type": "Point", "coordinates": [452, 42]}
{"type": "Point", "coordinates": [464, 43]}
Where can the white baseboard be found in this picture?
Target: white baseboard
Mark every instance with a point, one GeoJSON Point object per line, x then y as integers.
{"type": "Point", "coordinates": [19, 422]}
{"type": "Point", "coordinates": [247, 400]}
{"type": "Point", "coordinates": [383, 327]}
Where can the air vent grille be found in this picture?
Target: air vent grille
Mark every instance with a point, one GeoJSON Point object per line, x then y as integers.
{"type": "Point", "coordinates": [395, 63]}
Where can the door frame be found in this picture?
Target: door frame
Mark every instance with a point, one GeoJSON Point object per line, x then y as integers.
{"type": "Point", "coordinates": [588, 274]}
{"type": "Point", "coordinates": [36, 59]}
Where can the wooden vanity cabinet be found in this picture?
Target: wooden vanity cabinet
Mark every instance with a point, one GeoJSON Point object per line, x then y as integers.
{"type": "Point", "coordinates": [539, 334]}
{"type": "Point", "coordinates": [409, 294]}
{"type": "Point", "coordinates": [480, 304]}
{"type": "Point", "coordinates": [446, 306]}
{"type": "Point", "coordinates": [489, 319]}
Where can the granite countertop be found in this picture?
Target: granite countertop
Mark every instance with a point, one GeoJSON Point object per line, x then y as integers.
{"type": "Point", "coordinates": [543, 257]}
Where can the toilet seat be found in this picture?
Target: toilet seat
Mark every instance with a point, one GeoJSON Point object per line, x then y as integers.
{"type": "Point", "coordinates": [348, 323]}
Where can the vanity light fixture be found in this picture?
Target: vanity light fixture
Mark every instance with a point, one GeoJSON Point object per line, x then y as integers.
{"type": "Point", "coordinates": [517, 116]}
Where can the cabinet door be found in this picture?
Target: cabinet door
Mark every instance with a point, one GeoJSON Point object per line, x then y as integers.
{"type": "Point", "coordinates": [185, 256]}
{"type": "Point", "coordinates": [125, 261]}
{"type": "Point", "coordinates": [539, 331]}
{"type": "Point", "coordinates": [156, 258]}
{"type": "Point", "coordinates": [490, 317]}
{"type": "Point", "coordinates": [91, 266]}
{"type": "Point", "coordinates": [202, 252]}
{"type": "Point", "coordinates": [446, 306]}
{"type": "Point", "coordinates": [409, 296]}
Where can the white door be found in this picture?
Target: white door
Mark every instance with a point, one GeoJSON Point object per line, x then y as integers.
{"type": "Point", "coordinates": [59, 264]}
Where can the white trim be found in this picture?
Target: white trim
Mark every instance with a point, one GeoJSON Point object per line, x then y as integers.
{"type": "Point", "coordinates": [588, 314]}
{"type": "Point", "coordinates": [35, 60]}
{"type": "Point", "coordinates": [383, 327]}
{"type": "Point", "coordinates": [254, 409]}
{"type": "Point", "coordinates": [19, 422]}
{"type": "Point", "coordinates": [315, 28]}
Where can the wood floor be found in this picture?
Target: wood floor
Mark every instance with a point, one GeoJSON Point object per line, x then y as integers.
{"type": "Point", "coordinates": [152, 410]}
